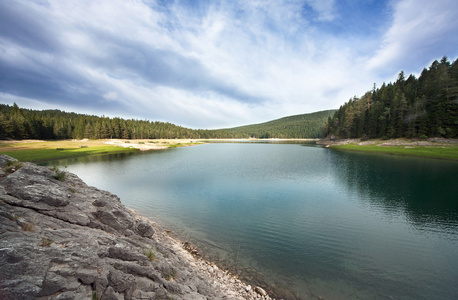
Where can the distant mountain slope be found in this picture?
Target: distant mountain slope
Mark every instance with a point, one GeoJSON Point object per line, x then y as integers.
{"type": "Point", "coordinates": [297, 126]}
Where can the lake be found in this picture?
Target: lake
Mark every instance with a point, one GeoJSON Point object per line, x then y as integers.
{"type": "Point", "coordinates": [308, 221]}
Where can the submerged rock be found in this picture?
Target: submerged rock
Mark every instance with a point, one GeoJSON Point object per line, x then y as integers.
{"type": "Point", "coordinates": [260, 291]}
{"type": "Point", "coordinates": [66, 240]}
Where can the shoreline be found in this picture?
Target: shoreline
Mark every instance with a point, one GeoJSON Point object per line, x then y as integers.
{"type": "Point", "coordinates": [40, 150]}
{"type": "Point", "coordinates": [432, 148]}
{"type": "Point", "coordinates": [247, 275]}
{"type": "Point", "coordinates": [223, 278]}
{"type": "Point", "coordinates": [62, 239]}
{"type": "Point", "coordinates": [152, 144]}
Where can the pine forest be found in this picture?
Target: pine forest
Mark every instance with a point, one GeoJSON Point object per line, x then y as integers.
{"type": "Point", "coordinates": [413, 108]}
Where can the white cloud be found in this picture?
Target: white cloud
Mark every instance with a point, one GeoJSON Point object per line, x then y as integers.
{"type": "Point", "coordinates": [110, 96]}
{"type": "Point", "coordinates": [222, 64]}
{"type": "Point", "coordinates": [325, 8]}
{"type": "Point", "coordinates": [421, 31]}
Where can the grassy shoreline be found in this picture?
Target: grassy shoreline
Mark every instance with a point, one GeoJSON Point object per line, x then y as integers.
{"type": "Point", "coordinates": [38, 150]}
{"type": "Point", "coordinates": [37, 155]}
{"type": "Point", "coordinates": [424, 149]}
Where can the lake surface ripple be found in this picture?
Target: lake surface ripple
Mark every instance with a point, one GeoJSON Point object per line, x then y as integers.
{"type": "Point", "coordinates": [310, 222]}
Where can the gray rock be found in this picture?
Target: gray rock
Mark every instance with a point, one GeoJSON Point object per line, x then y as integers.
{"type": "Point", "coordinates": [140, 294]}
{"type": "Point", "coordinates": [99, 202]}
{"type": "Point", "coordinates": [66, 240]}
{"type": "Point", "coordinates": [36, 185]}
{"type": "Point", "coordinates": [144, 229]}
{"type": "Point", "coordinates": [120, 281]}
{"type": "Point", "coordinates": [110, 294]}
{"type": "Point", "coordinates": [10, 256]}
{"type": "Point", "coordinates": [116, 219]}
{"type": "Point", "coordinates": [66, 296]}
{"type": "Point", "coordinates": [52, 284]}
{"type": "Point", "coordinates": [145, 285]}
{"type": "Point", "coordinates": [125, 254]}
{"type": "Point", "coordinates": [100, 284]}
{"type": "Point", "coordinates": [86, 276]}
{"type": "Point", "coordinates": [260, 291]}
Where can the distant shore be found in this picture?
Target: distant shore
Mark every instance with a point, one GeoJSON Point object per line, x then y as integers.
{"type": "Point", "coordinates": [260, 141]}
{"type": "Point", "coordinates": [39, 150]}
{"type": "Point", "coordinates": [436, 148]}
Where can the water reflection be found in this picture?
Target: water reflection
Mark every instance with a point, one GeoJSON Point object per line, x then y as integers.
{"type": "Point", "coordinates": [118, 157]}
{"type": "Point", "coordinates": [266, 141]}
{"type": "Point", "coordinates": [424, 190]}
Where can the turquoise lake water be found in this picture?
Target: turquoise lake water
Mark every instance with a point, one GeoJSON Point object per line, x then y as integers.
{"type": "Point", "coordinates": [307, 221]}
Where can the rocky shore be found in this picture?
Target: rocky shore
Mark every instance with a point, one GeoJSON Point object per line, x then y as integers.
{"type": "Point", "coordinates": [61, 239]}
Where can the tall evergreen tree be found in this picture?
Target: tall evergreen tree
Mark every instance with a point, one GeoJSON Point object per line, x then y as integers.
{"type": "Point", "coordinates": [427, 106]}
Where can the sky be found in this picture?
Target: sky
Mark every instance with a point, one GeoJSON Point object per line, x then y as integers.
{"type": "Point", "coordinates": [213, 64]}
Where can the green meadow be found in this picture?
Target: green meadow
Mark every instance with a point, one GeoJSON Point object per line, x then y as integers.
{"type": "Point", "coordinates": [41, 151]}
{"type": "Point", "coordinates": [448, 152]}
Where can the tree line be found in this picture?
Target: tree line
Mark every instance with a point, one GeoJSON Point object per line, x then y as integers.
{"type": "Point", "coordinates": [414, 107]}
{"type": "Point", "coordinates": [20, 123]}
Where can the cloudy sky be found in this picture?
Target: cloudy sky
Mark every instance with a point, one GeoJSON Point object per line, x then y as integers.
{"type": "Point", "coordinates": [210, 63]}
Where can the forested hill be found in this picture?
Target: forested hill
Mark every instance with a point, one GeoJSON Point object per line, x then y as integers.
{"type": "Point", "coordinates": [19, 123]}
{"type": "Point", "coordinates": [298, 126]}
{"type": "Point", "coordinates": [414, 107]}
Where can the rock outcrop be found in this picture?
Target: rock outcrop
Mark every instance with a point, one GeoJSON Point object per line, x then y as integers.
{"type": "Point", "coordinates": [62, 239]}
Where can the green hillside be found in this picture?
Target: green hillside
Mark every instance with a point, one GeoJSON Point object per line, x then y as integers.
{"type": "Point", "coordinates": [297, 126]}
